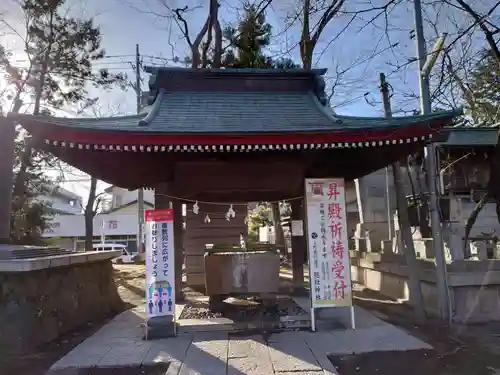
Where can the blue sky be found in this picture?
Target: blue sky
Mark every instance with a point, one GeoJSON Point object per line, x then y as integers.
{"type": "Point", "coordinates": [127, 22]}
{"type": "Point", "coordinates": [362, 51]}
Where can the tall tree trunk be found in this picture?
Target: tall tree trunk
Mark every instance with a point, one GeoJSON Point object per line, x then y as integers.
{"type": "Point", "coordinates": [195, 47]}
{"type": "Point", "coordinates": [214, 15]}
{"type": "Point", "coordinates": [90, 213]}
{"type": "Point", "coordinates": [471, 221]}
{"type": "Point", "coordinates": [213, 28]}
{"type": "Point", "coordinates": [305, 39]}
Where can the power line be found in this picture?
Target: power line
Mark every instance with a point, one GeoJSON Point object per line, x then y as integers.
{"type": "Point", "coordinates": [110, 66]}
{"type": "Point", "coordinates": [129, 61]}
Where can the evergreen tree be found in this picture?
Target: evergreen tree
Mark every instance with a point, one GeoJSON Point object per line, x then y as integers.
{"type": "Point", "coordinates": [248, 40]}
{"type": "Point", "coordinates": [31, 214]}
{"type": "Point", "coordinates": [485, 88]}
{"type": "Point", "coordinates": [60, 50]}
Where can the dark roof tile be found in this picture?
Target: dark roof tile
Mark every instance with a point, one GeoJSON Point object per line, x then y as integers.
{"type": "Point", "coordinates": [234, 112]}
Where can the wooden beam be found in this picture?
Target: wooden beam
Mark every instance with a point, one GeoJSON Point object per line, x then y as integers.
{"type": "Point", "coordinates": [299, 245]}
{"type": "Point", "coordinates": [201, 176]}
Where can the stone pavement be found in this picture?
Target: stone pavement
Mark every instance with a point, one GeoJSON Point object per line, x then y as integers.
{"type": "Point", "coordinates": [120, 343]}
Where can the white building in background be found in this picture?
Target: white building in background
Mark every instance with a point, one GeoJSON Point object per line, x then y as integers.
{"type": "Point", "coordinates": [123, 200]}
{"type": "Point", "coordinates": [117, 221]}
{"type": "Point", "coordinates": [63, 201]}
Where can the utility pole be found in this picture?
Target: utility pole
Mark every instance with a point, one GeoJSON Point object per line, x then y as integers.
{"type": "Point", "coordinates": [430, 158]}
{"type": "Point", "coordinates": [416, 297]}
{"type": "Point", "coordinates": [140, 191]}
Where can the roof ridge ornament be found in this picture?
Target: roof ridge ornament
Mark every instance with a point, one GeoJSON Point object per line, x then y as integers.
{"type": "Point", "coordinates": [152, 84]}
{"type": "Point", "coordinates": [158, 70]}
{"type": "Point", "coordinates": [320, 89]}
{"type": "Point", "coordinates": [155, 109]}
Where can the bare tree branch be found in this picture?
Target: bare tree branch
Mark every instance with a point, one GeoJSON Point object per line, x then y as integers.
{"type": "Point", "coordinates": [481, 22]}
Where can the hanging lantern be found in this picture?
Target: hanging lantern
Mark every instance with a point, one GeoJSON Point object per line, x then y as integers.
{"type": "Point", "coordinates": [207, 218]}
{"type": "Point", "coordinates": [196, 208]}
{"type": "Point", "coordinates": [228, 216]}
{"type": "Point", "coordinates": [245, 220]}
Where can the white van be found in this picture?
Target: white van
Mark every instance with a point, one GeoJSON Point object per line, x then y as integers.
{"type": "Point", "coordinates": [126, 257]}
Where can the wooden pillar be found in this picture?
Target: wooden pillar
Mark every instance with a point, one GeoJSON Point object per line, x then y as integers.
{"type": "Point", "coordinates": [7, 135]}
{"type": "Point", "coordinates": [178, 247]}
{"type": "Point", "coordinates": [299, 245]}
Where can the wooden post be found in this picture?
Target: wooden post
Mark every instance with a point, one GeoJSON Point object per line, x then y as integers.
{"type": "Point", "coordinates": [179, 247]}
{"type": "Point", "coordinates": [298, 245]}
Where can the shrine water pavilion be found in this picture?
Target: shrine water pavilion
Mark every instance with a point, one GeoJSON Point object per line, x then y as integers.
{"type": "Point", "coordinates": [230, 135]}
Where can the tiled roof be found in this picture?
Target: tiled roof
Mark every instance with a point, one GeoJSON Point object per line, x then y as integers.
{"type": "Point", "coordinates": [472, 136]}
{"type": "Point", "coordinates": [234, 112]}
{"type": "Point", "coordinates": [228, 112]}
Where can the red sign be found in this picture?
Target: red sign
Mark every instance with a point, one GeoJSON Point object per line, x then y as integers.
{"type": "Point", "coordinates": [316, 188]}
{"type": "Point", "coordinates": [166, 214]}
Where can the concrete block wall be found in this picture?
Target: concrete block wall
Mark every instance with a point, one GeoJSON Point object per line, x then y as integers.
{"type": "Point", "coordinates": [38, 306]}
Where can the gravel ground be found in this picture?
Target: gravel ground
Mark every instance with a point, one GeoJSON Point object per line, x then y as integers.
{"type": "Point", "coordinates": [244, 310]}
{"type": "Point", "coordinates": [471, 350]}
{"type": "Point", "coordinates": [130, 280]}
{"type": "Point", "coordinates": [458, 350]}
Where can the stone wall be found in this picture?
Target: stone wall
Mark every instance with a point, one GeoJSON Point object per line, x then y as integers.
{"type": "Point", "coordinates": [371, 195]}
{"type": "Point", "coordinates": [38, 306]}
{"type": "Point", "coordinates": [474, 286]}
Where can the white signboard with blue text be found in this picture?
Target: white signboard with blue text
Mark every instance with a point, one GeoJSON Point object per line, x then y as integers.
{"type": "Point", "coordinates": [160, 272]}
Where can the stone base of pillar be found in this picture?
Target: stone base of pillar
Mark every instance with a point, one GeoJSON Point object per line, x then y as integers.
{"type": "Point", "coordinates": [362, 241]}
{"type": "Point", "coordinates": [179, 296]}
{"type": "Point", "coordinates": [329, 318]}
{"type": "Point", "coordinates": [160, 327]}
{"type": "Point", "coordinates": [397, 243]}
{"type": "Point", "coordinates": [387, 246]}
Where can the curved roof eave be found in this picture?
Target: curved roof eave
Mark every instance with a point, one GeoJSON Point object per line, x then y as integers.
{"type": "Point", "coordinates": [323, 120]}
{"type": "Point", "coordinates": [375, 122]}
{"type": "Point", "coordinates": [83, 122]}
{"type": "Point", "coordinates": [420, 118]}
